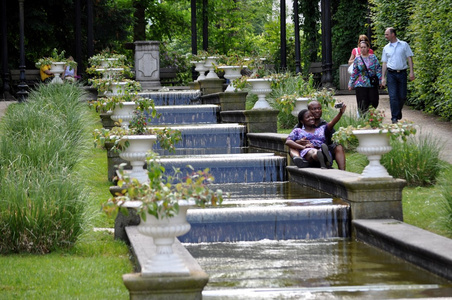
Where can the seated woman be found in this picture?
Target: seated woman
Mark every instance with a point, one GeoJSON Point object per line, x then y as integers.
{"type": "Point", "coordinates": [70, 73]}
{"type": "Point", "coordinates": [309, 141]}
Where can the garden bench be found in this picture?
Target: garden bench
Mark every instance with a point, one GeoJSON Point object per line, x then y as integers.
{"type": "Point", "coordinates": [168, 76]}
{"type": "Point", "coordinates": [316, 69]}
{"type": "Point", "coordinates": [32, 77]}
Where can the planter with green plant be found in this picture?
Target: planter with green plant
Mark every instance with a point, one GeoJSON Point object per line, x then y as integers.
{"type": "Point", "coordinates": [108, 60]}
{"type": "Point", "coordinates": [304, 92]}
{"type": "Point", "coordinates": [112, 87]}
{"type": "Point", "coordinates": [56, 62]}
{"type": "Point", "coordinates": [373, 139]}
{"type": "Point", "coordinates": [122, 143]}
{"type": "Point", "coordinates": [162, 203]}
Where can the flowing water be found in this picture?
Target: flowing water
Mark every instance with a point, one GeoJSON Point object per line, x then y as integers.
{"type": "Point", "coordinates": [273, 239]}
{"type": "Point", "coordinates": [311, 269]}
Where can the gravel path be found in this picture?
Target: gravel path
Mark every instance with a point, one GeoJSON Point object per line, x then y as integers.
{"type": "Point", "coordinates": [428, 124]}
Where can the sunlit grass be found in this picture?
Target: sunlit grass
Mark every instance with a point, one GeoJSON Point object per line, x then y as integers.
{"type": "Point", "coordinates": [92, 270]}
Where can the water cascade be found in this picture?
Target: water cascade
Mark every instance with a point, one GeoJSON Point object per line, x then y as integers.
{"type": "Point", "coordinates": [273, 239]}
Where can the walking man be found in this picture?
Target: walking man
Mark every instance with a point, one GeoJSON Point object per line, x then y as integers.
{"type": "Point", "coordinates": [394, 58]}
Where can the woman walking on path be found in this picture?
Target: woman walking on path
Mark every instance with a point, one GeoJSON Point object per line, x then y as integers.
{"type": "Point", "coordinates": [365, 67]}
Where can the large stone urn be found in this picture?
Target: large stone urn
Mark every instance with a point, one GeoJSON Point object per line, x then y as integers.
{"type": "Point", "coordinates": [373, 143]}
{"type": "Point", "coordinates": [201, 69]}
{"type": "Point", "coordinates": [109, 62]}
{"type": "Point", "coordinates": [261, 87]}
{"type": "Point", "coordinates": [164, 232]}
{"type": "Point", "coordinates": [110, 73]}
{"type": "Point", "coordinates": [300, 104]}
{"type": "Point", "coordinates": [231, 73]}
{"type": "Point", "coordinates": [136, 152]}
{"type": "Point", "coordinates": [57, 68]}
{"type": "Point", "coordinates": [116, 88]}
{"type": "Point", "coordinates": [209, 64]}
{"type": "Point", "coordinates": [124, 113]}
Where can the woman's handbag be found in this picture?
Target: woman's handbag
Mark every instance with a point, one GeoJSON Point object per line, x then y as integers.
{"type": "Point", "coordinates": [374, 78]}
{"type": "Point", "coordinates": [350, 69]}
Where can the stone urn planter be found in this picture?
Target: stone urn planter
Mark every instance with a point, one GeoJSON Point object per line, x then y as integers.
{"type": "Point", "coordinates": [210, 61]}
{"type": "Point", "coordinates": [231, 73]}
{"type": "Point", "coordinates": [110, 73]}
{"type": "Point", "coordinates": [373, 143]}
{"type": "Point", "coordinates": [164, 232]}
{"type": "Point", "coordinates": [109, 62]}
{"type": "Point", "coordinates": [57, 68]}
{"type": "Point", "coordinates": [261, 87]}
{"type": "Point", "coordinates": [201, 69]}
{"type": "Point", "coordinates": [136, 152]}
{"type": "Point", "coordinates": [124, 113]}
{"type": "Point", "coordinates": [300, 104]}
{"type": "Point", "coordinates": [116, 88]}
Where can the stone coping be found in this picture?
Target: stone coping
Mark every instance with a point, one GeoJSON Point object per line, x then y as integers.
{"type": "Point", "coordinates": [144, 247]}
{"type": "Point", "coordinates": [418, 246]}
{"type": "Point", "coordinates": [368, 198]}
{"type": "Point", "coordinates": [165, 287]}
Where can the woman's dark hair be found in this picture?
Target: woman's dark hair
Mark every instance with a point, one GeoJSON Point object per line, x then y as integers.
{"type": "Point", "coordinates": [300, 117]}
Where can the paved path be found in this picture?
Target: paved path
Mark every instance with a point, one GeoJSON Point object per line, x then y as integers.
{"type": "Point", "coordinates": [428, 124]}
{"type": "Point", "coordinates": [4, 105]}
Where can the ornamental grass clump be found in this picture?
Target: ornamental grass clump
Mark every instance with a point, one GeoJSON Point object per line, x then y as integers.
{"type": "Point", "coordinates": [43, 203]}
{"type": "Point", "coordinates": [416, 160]}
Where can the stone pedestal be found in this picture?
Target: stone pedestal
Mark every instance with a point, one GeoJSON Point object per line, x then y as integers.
{"type": "Point", "coordinates": [233, 101]}
{"type": "Point", "coordinates": [113, 161]}
{"type": "Point", "coordinates": [147, 64]}
{"type": "Point", "coordinates": [227, 101]}
{"type": "Point", "coordinates": [106, 121]}
{"type": "Point", "coordinates": [210, 86]}
{"type": "Point", "coordinates": [194, 85]}
{"type": "Point", "coordinates": [161, 287]}
{"type": "Point", "coordinates": [261, 120]}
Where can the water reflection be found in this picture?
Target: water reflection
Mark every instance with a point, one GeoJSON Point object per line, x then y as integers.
{"type": "Point", "coordinates": [313, 269]}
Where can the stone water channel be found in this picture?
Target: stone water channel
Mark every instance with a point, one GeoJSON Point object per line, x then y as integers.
{"type": "Point", "coordinates": [273, 239]}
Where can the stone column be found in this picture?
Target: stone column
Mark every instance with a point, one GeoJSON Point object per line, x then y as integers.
{"type": "Point", "coordinates": [147, 63]}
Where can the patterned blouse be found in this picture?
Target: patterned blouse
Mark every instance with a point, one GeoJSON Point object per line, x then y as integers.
{"type": "Point", "coordinates": [359, 77]}
{"type": "Point", "coordinates": [317, 138]}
